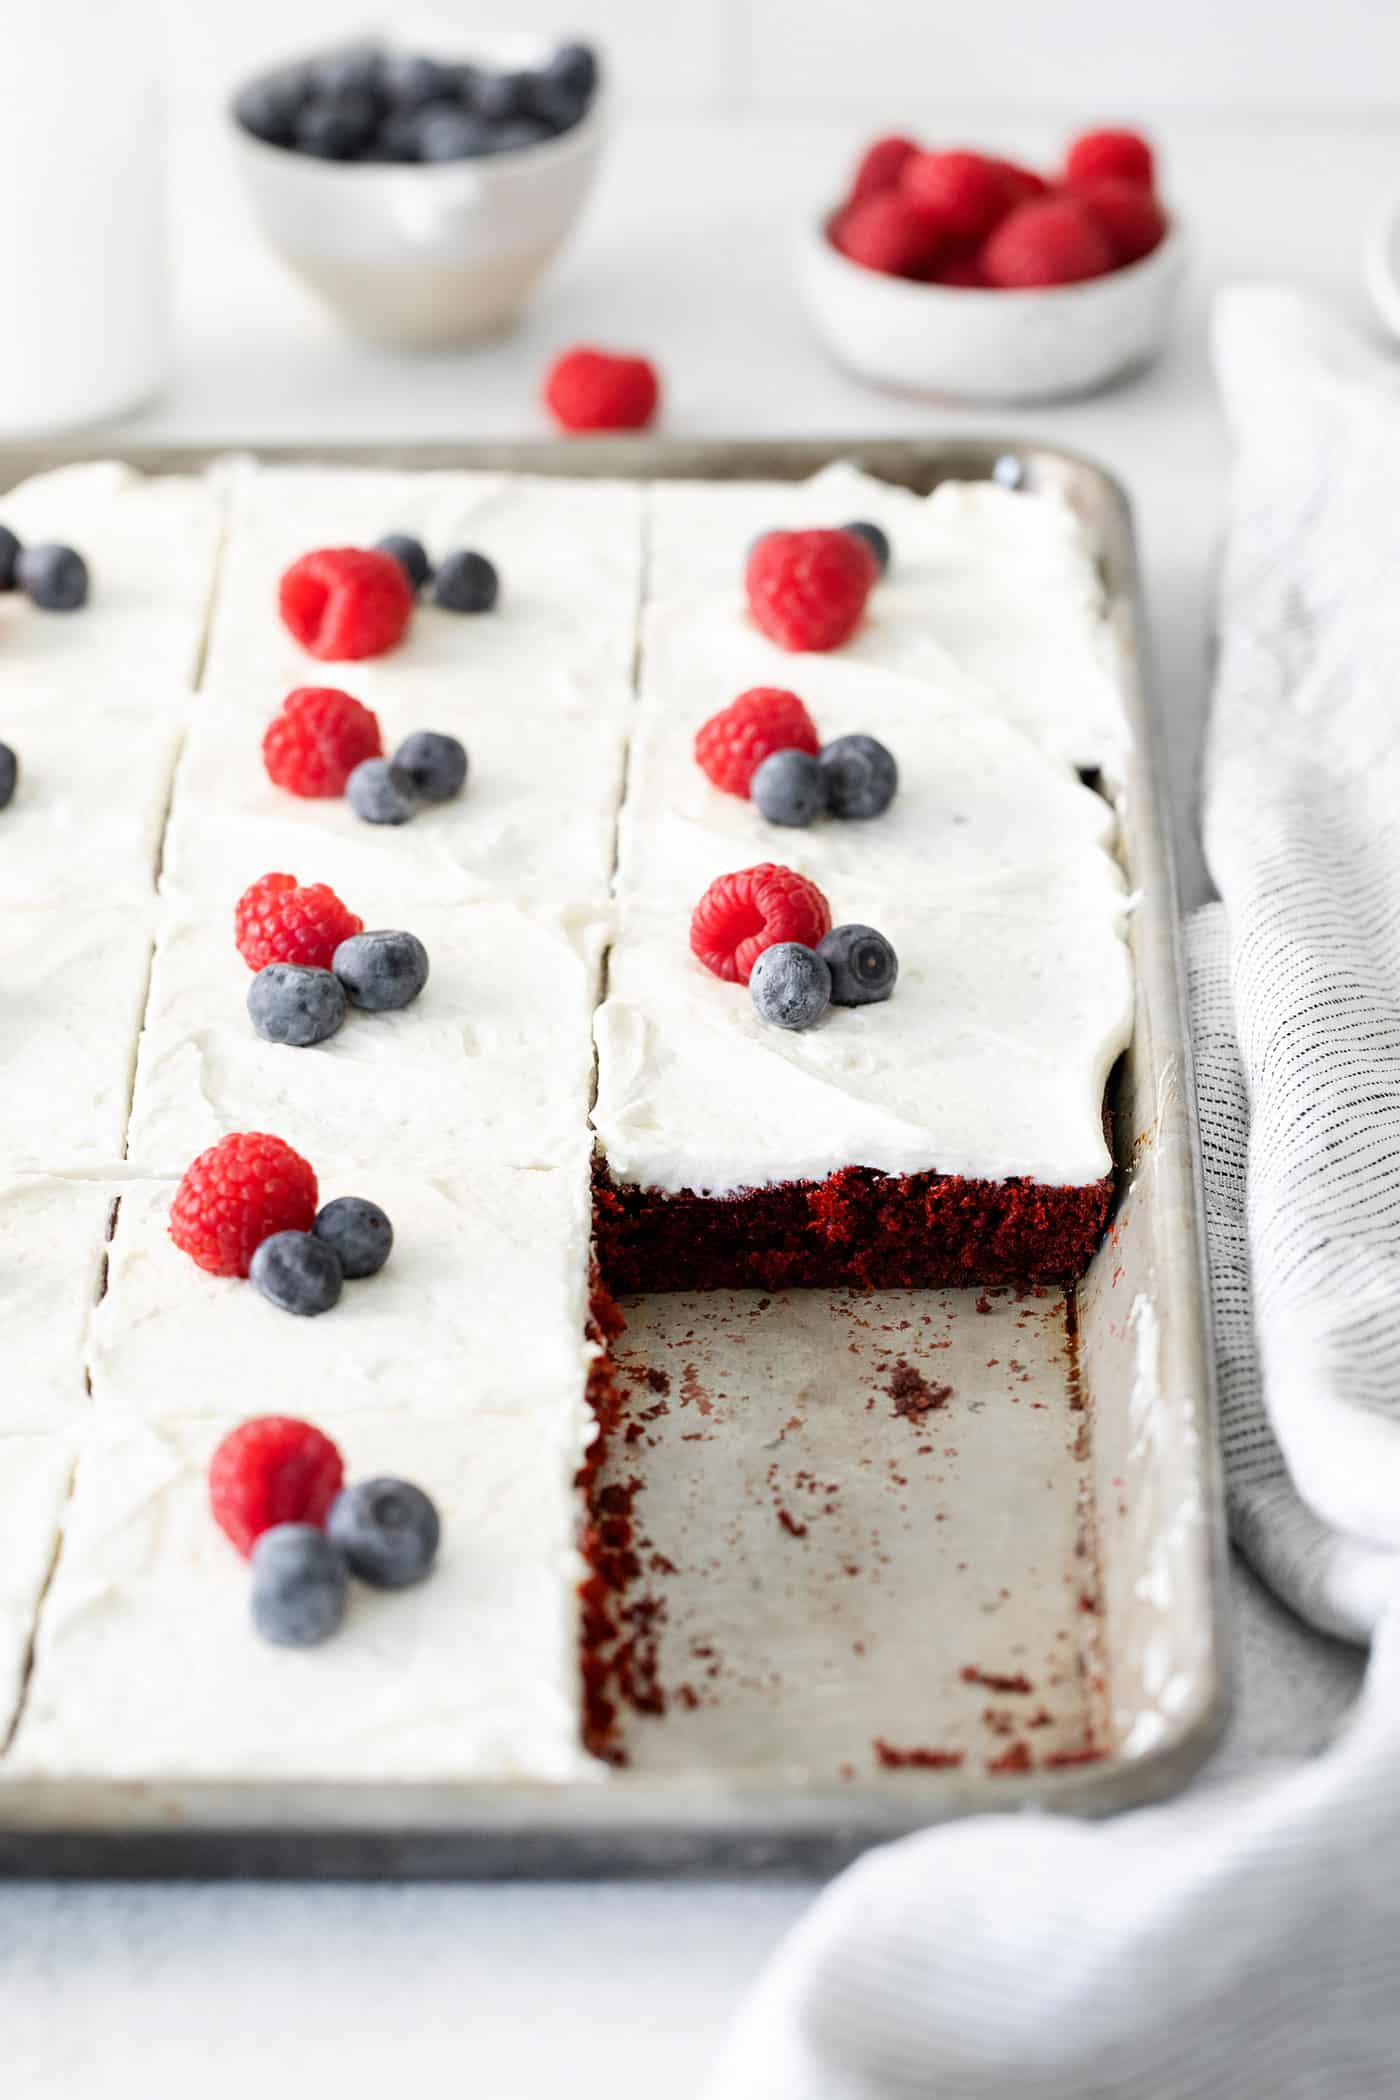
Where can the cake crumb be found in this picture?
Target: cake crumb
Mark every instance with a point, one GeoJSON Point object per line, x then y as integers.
{"type": "Point", "coordinates": [912, 1393]}
{"type": "Point", "coordinates": [895, 1759]}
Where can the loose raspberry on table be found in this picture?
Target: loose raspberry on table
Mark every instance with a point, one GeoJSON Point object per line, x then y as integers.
{"type": "Point", "coordinates": [742, 914]}
{"type": "Point", "coordinates": [1130, 215]}
{"type": "Point", "coordinates": [278, 919]}
{"type": "Point", "coordinates": [964, 193]}
{"type": "Point", "coordinates": [236, 1195]}
{"type": "Point", "coordinates": [313, 746]}
{"type": "Point", "coordinates": [807, 590]}
{"type": "Point", "coordinates": [880, 167]}
{"type": "Point", "coordinates": [733, 744]}
{"type": "Point", "coordinates": [588, 389]}
{"type": "Point", "coordinates": [886, 232]}
{"type": "Point", "coordinates": [1052, 240]}
{"type": "Point", "coordinates": [271, 1470]}
{"type": "Point", "coordinates": [1123, 154]}
{"type": "Point", "coordinates": [342, 603]}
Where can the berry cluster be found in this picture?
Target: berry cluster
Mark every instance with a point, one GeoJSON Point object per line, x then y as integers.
{"type": "Point", "coordinates": [314, 961]}
{"type": "Point", "coordinates": [463, 581]}
{"type": "Point", "coordinates": [277, 1491]}
{"type": "Point", "coordinates": [588, 389]}
{"type": "Point", "coordinates": [369, 104]}
{"type": "Point", "coordinates": [765, 746]}
{"type": "Point", "coordinates": [770, 928]}
{"type": "Point", "coordinates": [971, 219]}
{"type": "Point", "coordinates": [53, 577]}
{"type": "Point", "coordinates": [249, 1207]}
{"type": "Point", "coordinates": [323, 743]}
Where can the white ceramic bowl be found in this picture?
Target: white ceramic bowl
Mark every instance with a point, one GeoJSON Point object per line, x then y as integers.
{"type": "Point", "coordinates": [990, 345]}
{"type": "Point", "coordinates": [426, 256]}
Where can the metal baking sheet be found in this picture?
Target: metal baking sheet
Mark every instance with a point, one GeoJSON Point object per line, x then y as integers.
{"type": "Point", "coordinates": [907, 1555]}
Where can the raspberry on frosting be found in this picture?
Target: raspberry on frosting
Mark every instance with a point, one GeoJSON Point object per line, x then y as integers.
{"type": "Point", "coordinates": [313, 746]}
{"type": "Point", "coordinates": [742, 914]}
{"type": "Point", "coordinates": [733, 744]}
{"type": "Point", "coordinates": [588, 389]}
{"type": "Point", "coordinates": [277, 919]}
{"type": "Point", "coordinates": [236, 1195]}
{"type": "Point", "coordinates": [807, 590]}
{"type": "Point", "coordinates": [342, 603]}
{"type": "Point", "coordinates": [271, 1470]}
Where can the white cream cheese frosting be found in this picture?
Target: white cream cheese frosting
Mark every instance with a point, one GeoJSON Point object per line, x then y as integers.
{"type": "Point", "coordinates": [147, 1662]}
{"type": "Point", "coordinates": [34, 1475]}
{"type": "Point", "coordinates": [53, 1243]}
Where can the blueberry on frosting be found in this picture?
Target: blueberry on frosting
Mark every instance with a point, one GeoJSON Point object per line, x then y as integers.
{"type": "Point", "coordinates": [862, 964]}
{"type": "Point", "coordinates": [860, 775]}
{"type": "Point", "coordinates": [436, 764]}
{"type": "Point", "coordinates": [300, 1584]}
{"type": "Point", "coordinates": [290, 1003]}
{"type": "Point", "coordinates": [790, 985]}
{"type": "Point", "coordinates": [381, 971]}
{"type": "Point", "coordinates": [466, 582]}
{"type": "Point", "coordinates": [9, 776]}
{"type": "Point", "coordinates": [9, 555]}
{"type": "Point", "coordinates": [876, 539]}
{"type": "Point", "coordinates": [410, 554]}
{"type": "Point", "coordinates": [788, 788]}
{"type": "Point", "coordinates": [381, 793]}
{"type": "Point", "coordinates": [358, 1232]}
{"type": "Point", "coordinates": [388, 1531]}
{"type": "Point", "coordinates": [297, 1272]}
{"type": "Point", "coordinates": [54, 578]}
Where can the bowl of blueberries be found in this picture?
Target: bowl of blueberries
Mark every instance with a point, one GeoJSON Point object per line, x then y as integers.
{"type": "Point", "coordinates": [422, 195]}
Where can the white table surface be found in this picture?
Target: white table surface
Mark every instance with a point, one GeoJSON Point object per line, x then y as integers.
{"type": "Point", "coordinates": [616, 1989]}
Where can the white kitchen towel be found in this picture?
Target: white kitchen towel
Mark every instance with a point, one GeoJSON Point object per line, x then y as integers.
{"type": "Point", "coordinates": [1242, 1943]}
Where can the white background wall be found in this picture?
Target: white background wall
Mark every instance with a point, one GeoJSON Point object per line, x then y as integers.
{"type": "Point", "coordinates": [1247, 60]}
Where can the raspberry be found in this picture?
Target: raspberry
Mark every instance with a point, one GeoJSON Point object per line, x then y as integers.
{"type": "Point", "coordinates": [807, 590]}
{"type": "Point", "coordinates": [880, 168]}
{"type": "Point", "coordinates": [888, 233]}
{"type": "Point", "coordinates": [279, 921]}
{"type": "Point", "coordinates": [590, 389]}
{"type": "Point", "coordinates": [1130, 216]}
{"type": "Point", "coordinates": [734, 743]}
{"type": "Point", "coordinates": [1051, 240]}
{"type": "Point", "coordinates": [272, 1470]}
{"type": "Point", "coordinates": [344, 602]}
{"type": "Point", "coordinates": [1123, 154]}
{"type": "Point", "coordinates": [960, 269]}
{"type": "Point", "coordinates": [236, 1195]}
{"type": "Point", "coordinates": [740, 915]}
{"type": "Point", "coordinates": [314, 745]}
{"type": "Point", "coordinates": [966, 193]}
{"type": "Point", "coordinates": [1022, 183]}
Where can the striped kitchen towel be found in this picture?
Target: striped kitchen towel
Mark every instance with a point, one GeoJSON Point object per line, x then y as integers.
{"type": "Point", "coordinates": [1242, 1943]}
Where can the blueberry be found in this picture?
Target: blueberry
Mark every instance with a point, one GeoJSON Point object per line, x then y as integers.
{"type": "Point", "coordinates": [397, 139]}
{"type": "Point", "coordinates": [466, 583]}
{"type": "Point", "coordinates": [787, 788]}
{"type": "Point", "coordinates": [862, 963]}
{"type": "Point", "coordinates": [519, 132]}
{"type": "Point", "coordinates": [574, 66]}
{"type": "Point", "coordinates": [497, 96]}
{"type": "Point", "coordinates": [300, 1584]}
{"type": "Point", "coordinates": [269, 108]}
{"type": "Point", "coordinates": [437, 765]}
{"type": "Point", "coordinates": [557, 106]}
{"type": "Point", "coordinates": [387, 1530]}
{"type": "Point", "coordinates": [406, 81]}
{"type": "Point", "coordinates": [55, 578]}
{"type": "Point", "coordinates": [860, 775]}
{"type": "Point", "coordinates": [358, 1231]}
{"type": "Point", "coordinates": [354, 71]}
{"type": "Point", "coordinates": [1009, 472]}
{"type": "Point", "coordinates": [9, 775]}
{"type": "Point", "coordinates": [9, 555]}
{"type": "Point", "coordinates": [298, 1272]}
{"type": "Point", "coordinates": [876, 539]}
{"type": "Point", "coordinates": [288, 1003]}
{"type": "Point", "coordinates": [381, 971]}
{"type": "Point", "coordinates": [410, 554]}
{"type": "Point", "coordinates": [790, 985]}
{"type": "Point", "coordinates": [336, 127]}
{"type": "Point", "coordinates": [446, 132]}
{"type": "Point", "coordinates": [380, 793]}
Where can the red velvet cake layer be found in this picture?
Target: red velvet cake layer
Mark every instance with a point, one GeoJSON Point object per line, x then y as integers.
{"type": "Point", "coordinates": [888, 1231]}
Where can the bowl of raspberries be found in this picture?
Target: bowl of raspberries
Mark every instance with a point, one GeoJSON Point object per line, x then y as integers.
{"type": "Point", "coordinates": [422, 194]}
{"type": "Point", "coordinates": [955, 272]}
